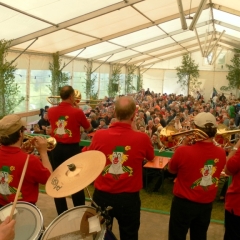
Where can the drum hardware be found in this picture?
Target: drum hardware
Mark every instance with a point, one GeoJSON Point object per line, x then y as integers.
{"type": "Point", "coordinates": [28, 146]}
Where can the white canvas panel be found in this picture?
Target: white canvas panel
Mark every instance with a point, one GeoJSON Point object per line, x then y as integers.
{"type": "Point", "coordinates": [228, 31]}
{"type": "Point", "coordinates": [78, 65]}
{"type": "Point", "coordinates": [59, 11]}
{"type": "Point", "coordinates": [182, 36]}
{"type": "Point", "coordinates": [56, 41]}
{"type": "Point", "coordinates": [21, 63]}
{"type": "Point", "coordinates": [154, 44]}
{"type": "Point", "coordinates": [95, 50]}
{"type": "Point", "coordinates": [111, 23]}
{"type": "Point", "coordinates": [220, 80]}
{"type": "Point", "coordinates": [138, 36]}
{"type": "Point", "coordinates": [156, 9]}
{"type": "Point", "coordinates": [14, 25]}
{"type": "Point", "coordinates": [39, 62]}
{"type": "Point", "coordinates": [170, 84]}
{"type": "Point", "coordinates": [153, 79]}
{"type": "Point", "coordinates": [121, 55]}
{"type": "Point", "coordinates": [140, 58]}
{"type": "Point", "coordinates": [171, 26]}
{"type": "Point", "coordinates": [166, 50]}
{"type": "Point", "coordinates": [226, 17]}
{"type": "Point", "coordinates": [207, 80]}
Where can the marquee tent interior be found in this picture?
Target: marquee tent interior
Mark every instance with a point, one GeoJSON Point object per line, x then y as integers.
{"type": "Point", "coordinates": [151, 34]}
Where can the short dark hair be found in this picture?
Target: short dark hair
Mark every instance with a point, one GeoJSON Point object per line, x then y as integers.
{"type": "Point", "coordinates": [12, 138]}
{"type": "Point", "coordinates": [66, 92]}
{"type": "Point", "coordinates": [209, 129]}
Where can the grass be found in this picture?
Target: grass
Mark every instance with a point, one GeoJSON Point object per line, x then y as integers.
{"type": "Point", "coordinates": [162, 201]}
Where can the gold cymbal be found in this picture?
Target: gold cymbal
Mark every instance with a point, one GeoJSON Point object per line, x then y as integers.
{"type": "Point", "coordinates": [75, 174]}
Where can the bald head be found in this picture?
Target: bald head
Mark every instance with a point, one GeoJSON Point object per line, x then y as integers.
{"type": "Point", "coordinates": [66, 92]}
{"type": "Point", "coordinates": [125, 108]}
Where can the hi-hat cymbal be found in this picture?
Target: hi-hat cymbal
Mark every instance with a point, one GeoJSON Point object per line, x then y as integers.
{"type": "Point", "coordinates": [75, 174]}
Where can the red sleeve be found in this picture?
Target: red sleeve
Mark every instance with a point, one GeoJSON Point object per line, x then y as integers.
{"type": "Point", "coordinates": [233, 163]}
{"type": "Point", "coordinates": [83, 120]}
{"type": "Point", "coordinates": [36, 171]}
{"type": "Point", "coordinates": [173, 163]}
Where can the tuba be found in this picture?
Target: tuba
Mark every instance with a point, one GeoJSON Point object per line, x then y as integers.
{"type": "Point", "coordinates": [28, 145]}
{"type": "Point", "coordinates": [172, 139]}
{"type": "Point", "coordinates": [55, 100]}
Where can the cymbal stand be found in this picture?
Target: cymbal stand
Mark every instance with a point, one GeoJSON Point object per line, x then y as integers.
{"type": "Point", "coordinates": [102, 212]}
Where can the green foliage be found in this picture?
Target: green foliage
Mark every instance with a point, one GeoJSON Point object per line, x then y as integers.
{"type": "Point", "coordinates": [139, 82]}
{"type": "Point", "coordinates": [188, 74]}
{"type": "Point", "coordinates": [90, 82]}
{"type": "Point", "coordinates": [224, 88]}
{"type": "Point", "coordinates": [233, 76]}
{"type": "Point", "coordinates": [114, 80]}
{"type": "Point", "coordinates": [9, 89]}
{"type": "Point", "coordinates": [129, 88]}
{"type": "Point", "coordinates": [59, 79]}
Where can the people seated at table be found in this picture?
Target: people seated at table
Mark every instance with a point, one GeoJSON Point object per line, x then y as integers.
{"type": "Point", "coordinates": [155, 141]}
{"type": "Point", "coordinates": [150, 128]}
{"type": "Point", "coordinates": [102, 124]}
{"type": "Point", "coordinates": [43, 122]}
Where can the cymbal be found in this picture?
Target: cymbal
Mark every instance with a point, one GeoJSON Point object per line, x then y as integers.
{"type": "Point", "coordinates": [75, 174]}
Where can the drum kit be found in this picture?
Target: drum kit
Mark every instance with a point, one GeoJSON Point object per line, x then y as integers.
{"type": "Point", "coordinates": [82, 222]}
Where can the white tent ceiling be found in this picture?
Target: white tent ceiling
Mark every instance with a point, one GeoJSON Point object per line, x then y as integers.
{"type": "Point", "coordinates": [135, 31]}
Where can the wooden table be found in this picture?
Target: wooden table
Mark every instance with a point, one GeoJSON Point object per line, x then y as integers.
{"type": "Point", "coordinates": [158, 163]}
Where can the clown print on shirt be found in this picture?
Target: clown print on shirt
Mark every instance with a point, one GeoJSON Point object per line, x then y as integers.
{"type": "Point", "coordinates": [116, 169]}
{"type": "Point", "coordinates": [61, 131]}
{"type": "Point", "coordinates": [207, 172]}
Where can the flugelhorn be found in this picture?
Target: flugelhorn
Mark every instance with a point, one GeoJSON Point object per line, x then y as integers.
{"type": "Point", "coordinates": [55, 100]}
{"type": "Point", "coordinates": [171, 139]}
{"type": "Point", "coordinates": [28, 146]}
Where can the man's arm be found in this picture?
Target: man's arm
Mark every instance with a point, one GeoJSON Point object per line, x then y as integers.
{"type": "Point", "coordinates": [7, 231]}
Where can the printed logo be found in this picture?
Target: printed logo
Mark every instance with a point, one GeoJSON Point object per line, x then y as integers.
{"type": "Point", "coordinates": [55, 184]}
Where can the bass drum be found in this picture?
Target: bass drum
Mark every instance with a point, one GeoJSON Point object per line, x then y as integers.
{"type": "Point", "coordinates": [29, 220]}
{"type": "Point", "coordinates": [73, 225]}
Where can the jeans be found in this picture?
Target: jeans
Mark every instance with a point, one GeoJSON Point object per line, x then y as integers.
{"type": "Point", "coordinates": [60, 154]}
{"type": "Point", "coordinates": [126, 209]}
{"type": "Point", "coordinates": [186, 215]}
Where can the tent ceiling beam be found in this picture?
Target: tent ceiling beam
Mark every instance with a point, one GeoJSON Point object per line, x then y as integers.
{"type": "Point", "coordinates": [167, 58]}
{"type": "Point", "coordinates": [127, 31]}
{"type": "Point", "coordinates": [158, 49]}
{"type": "Point", "coordinates": [231, 44]}
{"type": "Point", "coordinates": [200, 46]}
{"type": "Point", "coordinates": [213, 23]}
{"type": "Point", "coordinates": [226, 9]}
{"type": "Point", "coordinates": [146, 42]}
{"type": "Point", "coordinates": [74, 21]}
{"type": "Point", "coordinates": [166, 53]}
{"type": "Point", "coordinates": [27, 14]}
{"type": "Point", "coordinates": [227, 25]}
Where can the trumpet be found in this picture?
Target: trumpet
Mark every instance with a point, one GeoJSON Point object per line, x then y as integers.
{"type": "Point", "coordinates": [54, 100]}
{"type": "Point", "coordinates": [171, 139]}
{"type": "Point", "coordinates": [28, 146]}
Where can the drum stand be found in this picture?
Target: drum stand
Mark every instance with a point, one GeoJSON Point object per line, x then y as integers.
{"type": "Point", "coordinates": [106, 217]}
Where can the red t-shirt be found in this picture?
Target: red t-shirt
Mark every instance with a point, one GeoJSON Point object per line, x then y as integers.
{"type": "Point", "coordinates": [65, 121]}
{"type": "Point", "coordinates": [12, 160]}
{"type": "Point", "coordinates": [232, 200]}
{"type": "Point", "coordinates": [125, 150]}
{"type": "Point", "coordinates": [198, 169]}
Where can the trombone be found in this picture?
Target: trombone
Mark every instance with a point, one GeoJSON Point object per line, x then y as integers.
{"type": "Point", "coordinates": [54, 100]}
{"type": "Point", "coordinates": [28, 146]}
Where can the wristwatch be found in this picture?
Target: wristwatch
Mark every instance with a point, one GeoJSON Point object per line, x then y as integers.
{"type": "Point", "coordinates": [234, 148]}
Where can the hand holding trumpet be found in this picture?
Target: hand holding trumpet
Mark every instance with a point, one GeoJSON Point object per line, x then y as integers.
{"type": "Point", "coordinates": [40, 144]}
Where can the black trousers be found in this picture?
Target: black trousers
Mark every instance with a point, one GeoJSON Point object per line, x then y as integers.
{"type": "Point", "coordinates": [232, 226]}
{"type": "Point", "coordinates": [186, 215]}
{"type": "Point", "coordinates": [126, 209]}
{"type": "Point", "coordinates": [60, 154]}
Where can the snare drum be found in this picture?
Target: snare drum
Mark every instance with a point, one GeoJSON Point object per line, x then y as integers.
{"type": "Point", "coordinates": [29, 220]}
{"type": "Point", "coordinates": [73, 224]}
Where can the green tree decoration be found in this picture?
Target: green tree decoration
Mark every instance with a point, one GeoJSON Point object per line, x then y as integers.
{"type": "Point", "coordinates": [58, 78]}
{"type": "Point", "coordinates": [90, 82]}
{"type": "Point", "coordinates": [233, 76]}
{"type": "Point", "coordinates": [139, 81]}
{"type": "Point", "coordinates": [114, 80]}
{"type": "Point", "coordinates": [9, 89]}
{"type": "Point", "coordinates": [129, 88]}
{"type": "Point", "coordinates": [188, 74]}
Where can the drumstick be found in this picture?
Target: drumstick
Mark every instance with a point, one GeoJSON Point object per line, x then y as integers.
{"type": "Point", "coordinates": [19, 187]}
